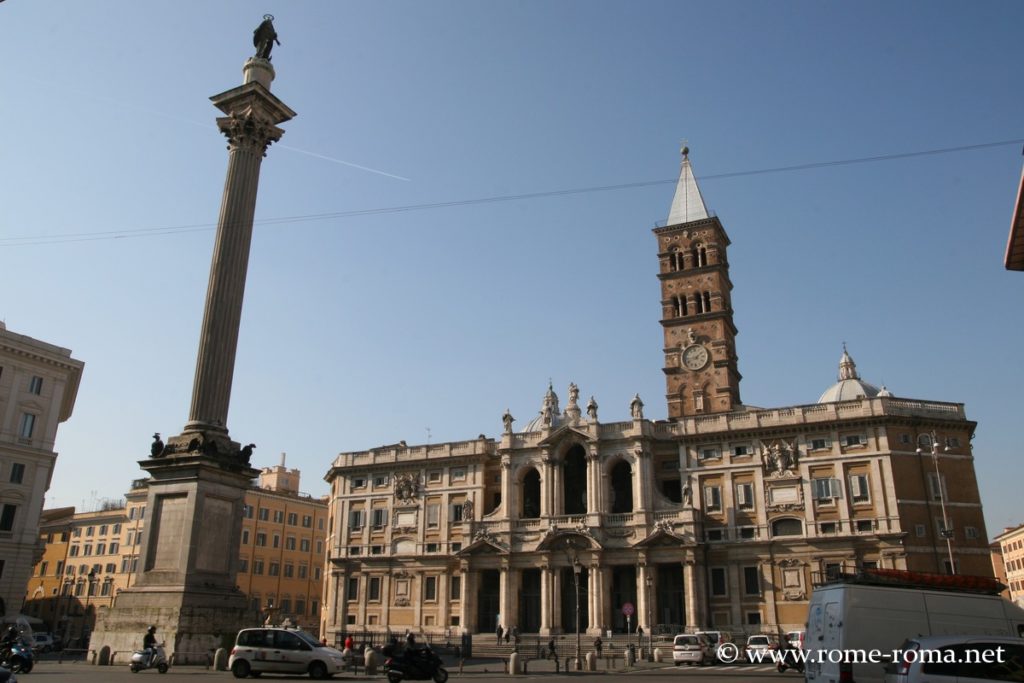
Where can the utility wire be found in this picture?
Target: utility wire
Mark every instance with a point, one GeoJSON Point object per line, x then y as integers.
{"type": "Point", "coordinates": [178, 229]}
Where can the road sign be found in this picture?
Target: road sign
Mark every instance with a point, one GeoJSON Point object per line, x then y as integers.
{"type": "Point", "coordinates": [628, 609]}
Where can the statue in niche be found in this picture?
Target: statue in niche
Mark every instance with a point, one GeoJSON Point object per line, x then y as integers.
{"type": "Point", "coordinates": [264, 37]}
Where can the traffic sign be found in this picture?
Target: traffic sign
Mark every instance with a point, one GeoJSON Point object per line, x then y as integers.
{"type": "Point", "coordinates": [628, 609]}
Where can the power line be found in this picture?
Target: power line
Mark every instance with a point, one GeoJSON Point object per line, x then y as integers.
{"type": "Point", "coordinates": [29, 240]}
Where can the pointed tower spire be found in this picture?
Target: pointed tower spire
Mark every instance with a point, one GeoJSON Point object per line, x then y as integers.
{"type": "Point", "coordinates": [688, 204]}
{"type": "Point", "coordinates": [847, 368]}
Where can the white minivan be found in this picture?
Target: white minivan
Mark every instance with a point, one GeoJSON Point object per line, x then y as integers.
{"type": "Point", "coordinates": [876, 611]}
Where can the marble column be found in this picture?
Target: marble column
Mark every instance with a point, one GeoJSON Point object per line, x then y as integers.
{"type": "Point", "coordinates": [250, 124]}
{"type": "Point", "coordinates": [545, 600]}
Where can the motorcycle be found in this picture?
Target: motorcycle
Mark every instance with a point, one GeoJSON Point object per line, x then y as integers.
{"type": "Point", "coordinates": [141, 660]}
{"type": "Point", "coordinates": [790, 661]}
{"type": "Point", "coordinates": [18, 658]}
{"type": "Point", "coordinates": [415, 665]}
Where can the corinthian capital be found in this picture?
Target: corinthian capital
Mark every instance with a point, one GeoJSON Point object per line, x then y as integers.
{"type": "Point", "coordinates": [247, 130]}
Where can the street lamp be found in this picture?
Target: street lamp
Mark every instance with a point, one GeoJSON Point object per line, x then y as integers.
{"type": "Point", "coordinates": [947, 532]}
{"type": "Point", "coordinates": [649, 583]}
{"type": "Point", "coordinates": [573, 555]}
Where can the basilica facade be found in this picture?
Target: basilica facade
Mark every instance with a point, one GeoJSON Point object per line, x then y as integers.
{"type": "Point", "coordinates": [724, 515]}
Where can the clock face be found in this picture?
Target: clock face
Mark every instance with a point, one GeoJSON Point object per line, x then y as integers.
{"type": "Point", "coordinates": [695, 357]}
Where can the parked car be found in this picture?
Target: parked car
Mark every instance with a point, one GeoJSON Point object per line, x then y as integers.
{"type": "Point", "coordinates": [282, 650]}
{"type": "Point", "coordinates": [716, 639]}
{"type": "Point", "coordinates": [44, 642]}
{"type": "Point", "coordinates": [795, 639]}
{"type": "Point", "coordinates": [692, 649]}
{"type": "Point", "coordinates": [759, 645]}
{"type": "Point", "coordinates": [967, 660]}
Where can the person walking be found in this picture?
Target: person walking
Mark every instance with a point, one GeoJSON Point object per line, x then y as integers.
{"type": "Point", "coordinates": [551, 650]}
{"type": "Point", "coordinates": [499, 632]}
{"type": "Point", "coordinates": [598, 644]}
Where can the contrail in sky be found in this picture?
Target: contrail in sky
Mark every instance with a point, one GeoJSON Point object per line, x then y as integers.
{"type": "Point", "coordinates": [208, 126]}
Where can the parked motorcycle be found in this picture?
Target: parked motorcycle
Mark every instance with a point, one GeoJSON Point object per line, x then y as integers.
{"type": "Point", "coordinates": [420, 664]}
{"type": "Point", "coordinates": [18, 658]}
{"type": "Point", "coordinates": [141, 660]}
{"type": "Point", "coordinates": [790, 660]}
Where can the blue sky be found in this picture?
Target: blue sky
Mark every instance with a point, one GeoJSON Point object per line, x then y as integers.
{"type": "Point", "coordinates": [422, 324]}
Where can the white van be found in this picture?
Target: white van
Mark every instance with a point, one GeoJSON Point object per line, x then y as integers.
{"type": "Point", "coordinates": [880, 609]}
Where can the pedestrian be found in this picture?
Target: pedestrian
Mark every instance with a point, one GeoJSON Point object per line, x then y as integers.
{"type": "Point", "coordinates": [639, 631]}
{"type": "Point", "coordinates": [508, 636]}
{"type": "Point", "coordinates": [499, 632]}
{"type": "Point", "coordinates": [348, 642]}
{"type": "Point", "coordinates": [598, 644]}
{"type": "Point", "coordinates": [551, 650]}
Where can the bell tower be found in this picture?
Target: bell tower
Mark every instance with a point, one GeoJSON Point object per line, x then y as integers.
{"type": "Point", "coordinates": [701, 373]}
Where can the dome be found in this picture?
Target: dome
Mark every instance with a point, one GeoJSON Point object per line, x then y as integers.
{"type": "Point", "coordinates": [550, 417]}
{"type": "Point", "coordinates": [850, 386]}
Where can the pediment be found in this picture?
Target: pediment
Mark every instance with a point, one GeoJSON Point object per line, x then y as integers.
{"type": "Point", "coordinates": [661, 537]}
{"type": "Point", "coordinates": [555, 539]}
{"type": "Point", "coordinates": [565, 432]}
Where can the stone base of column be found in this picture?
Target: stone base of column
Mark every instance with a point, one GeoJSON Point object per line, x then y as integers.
{"type": "Point", "coordinates": [191, 624]}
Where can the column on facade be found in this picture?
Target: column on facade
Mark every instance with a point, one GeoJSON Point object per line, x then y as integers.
{"type": "Point", "coordinates": [594, 590]}
{"type": "Point", "coordinates": [510, 502]}
{"type": "Point", "coordinates": [593, 480]}
{"type": "Point", "coordinates": [556, 599]}
{"type": "Point", "coordinates": [888, 520]}
{"type": "Point", "coordinates": [605, 596]}
{"type": "Point", "coordinates": [505, 594]}
{"type": "Point", "coordinates": [363, 579]}
{"type": "Point", "coordinates": [769, 594]}
{"type": "Point", "coordinates": [845, 515]}
{"type": "Point", "coordinates": [467, 608]}
{"type": "Point", "coordinates": [336, 604]}
{"type": "Point", "coordinates": [444, 597]}
{"type": "Point", "coordinates": [557, 502]}
{"type": "Point", "coordinates": [417, 591]}
{"type": "Point", "coordinates": [642, 602]}
{"type": "Point", "coordinates": [691, 596]}
{"type": "Point", "coordinates": [546, 590]}
{"type": "Point", "coordinates": [640, 475]}
{"type": "Point", "coordinates": [547, 482]}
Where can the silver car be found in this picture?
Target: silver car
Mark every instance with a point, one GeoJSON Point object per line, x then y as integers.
{"type": "Point", "coordinates": [692, 649]}
{"type": "Point", "coordinates": [282, 650]}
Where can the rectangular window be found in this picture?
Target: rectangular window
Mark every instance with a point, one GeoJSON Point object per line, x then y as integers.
{"type": "Point", "coordinates": [278, 516]}
{"type": "Point", "coordinates": [865, 526]}
{"type": "Point", "coordinates": [456, 588]}
{"type": "Point", "coordinates": [456, 547]}
{"type": "Point", "coordinates": [376, 550]}
{"type": "Point", "coordinates": [747, 532]}
{"type": "Point", "coordinates": [257, 567]}
{"type": "Point", "coordinates": [316, 573]}
{"type": "Point", "coordinates": [937, 487]}
{"type": "Point", "coordinates": [712, 498]}
{"type": "Point", "coordinates": [744, 496]}
{"type": "Point", "coordinates": [319, 547]}
{"type": "Point", "coordinates": [7, 517]}
{"type": "Point", "coordinates": [753, 618]}
{"type": "Point", "coordinates": [261, 539]}
{"type": "Point", "coordinates": [853, 440]}
{"type": "Point", "coordinates": [293, 519]}
{"type": "Point", "coordinates": [708, 453]}
{"type": "Point", "coordinates": [751, 580]}
{"type": "Point", "coordinates": [433, 515]}
{"type": "Point", "coordinates": [970, 532]}
{"type": "Point", "coordinates": [289, 570]}
{"type": "Point", "coordinates": [353, 588]}
{"type": "Point", "coordinates": [356, 519]}
{"type": "Point", "coordinates": [247, 512]}
{"type": "Point", "coordinates": [35, 385]}
{"type": "Point", "coordinates": [27, 425]}
{"type": "Point", "coordinates": [101, 548]}
{"type": "Point", "coordinates": [277, 541]}
{"type": "Point", "coordinates": [307, 521]}
{"type": "Point", "coordinates": [90, 531]}
{"type": "Point", "coordinates": [859, 488]}
{"type": "Point", "coordinates": [358, 483]}
{"type": "Point", "coordinates": [434, 477]}
{"type": "Point", "coordinates": [718, 585]}
{"type": "Point", "coordinates": [457, 510]}
{"type": "Point", "coordinates": [243, 565]}
{"type": "Point", "coordinates": [17, 473]}
{"type": "Point", "coordinates": [919, 530]}
{"type": "Point", "coordinates": [740, 451]}
{"type": "Point", "coordinates": [289, 543]}
{"type": "Point", "coordinates": [304, 545]}
{"type": "Point", "coordinates": [375, 588]}
{"type": "Point", "coordinates": [820, 444]}
{"type": "Point", "coordinates": [430, 588]}
{"type": "Point", "coordinates": [245, 537]}
{"type": "Point", "coordinates": [74, 551]}
{"type": "Point", "coordinates": [263, 514]}
{"type": "Point", "coordinates": [380, 480]}
{"type": "Point", "coordinates": [828, 528]}
{"type": "Point", "coordinates": [304, 570]}
{"type": "Point", "coordinates": [275, 569]}
{"type": "Point", "coordinates": [433, 547]}
{"type": "Point", "coordinates": [715, 535]}
{"type": "Point", "coordinates": [826, 489]}
{"type": "Point", "coordinates": [458, 473]}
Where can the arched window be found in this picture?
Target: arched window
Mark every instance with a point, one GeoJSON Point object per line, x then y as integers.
{"type": "Point", "coordinates": [707, 302]}
{"type": "Point", "coordinates": [681, 307]}
{"type": "Point", "coordinates": [787, 526]}
{"type": "Point", "coordinates": [574, 481]}
{"type": "Point", "coordinates": [698, 303]}
{"type": "Point", "coordinates": [622, 487]}
{"type": "Point", "coordinates": [531, 495]}
{"type": "Point", "coordinates": [702, 256]}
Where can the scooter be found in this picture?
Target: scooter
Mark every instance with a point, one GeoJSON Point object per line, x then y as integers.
{"type": "Point", "coordinates": [415, 665]}
{"type": "Point", "coordinates": [18, 658]}
{"type": "Point", "coordinates": [141, 660]}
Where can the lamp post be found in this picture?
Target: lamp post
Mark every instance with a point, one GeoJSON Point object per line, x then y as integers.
{"type": "Point", "coordinates": [573, 556]}
{"type": "Point", "coordinates": [649, 583]}
{"type": "Point", "coordinates": [88, 593]}
{"type": "Point", "coordinates": [947, 532]}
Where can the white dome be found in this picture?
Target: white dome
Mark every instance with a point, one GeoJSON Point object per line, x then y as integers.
{"type": "Point", "coordinates": [850, 386]}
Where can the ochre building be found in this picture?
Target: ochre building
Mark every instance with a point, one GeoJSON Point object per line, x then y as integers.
{"type": "Point", "coordinates": [723, 516]}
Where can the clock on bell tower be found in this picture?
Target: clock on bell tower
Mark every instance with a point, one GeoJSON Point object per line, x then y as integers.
{"type": "Point", "coordinates": [701, 373]}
